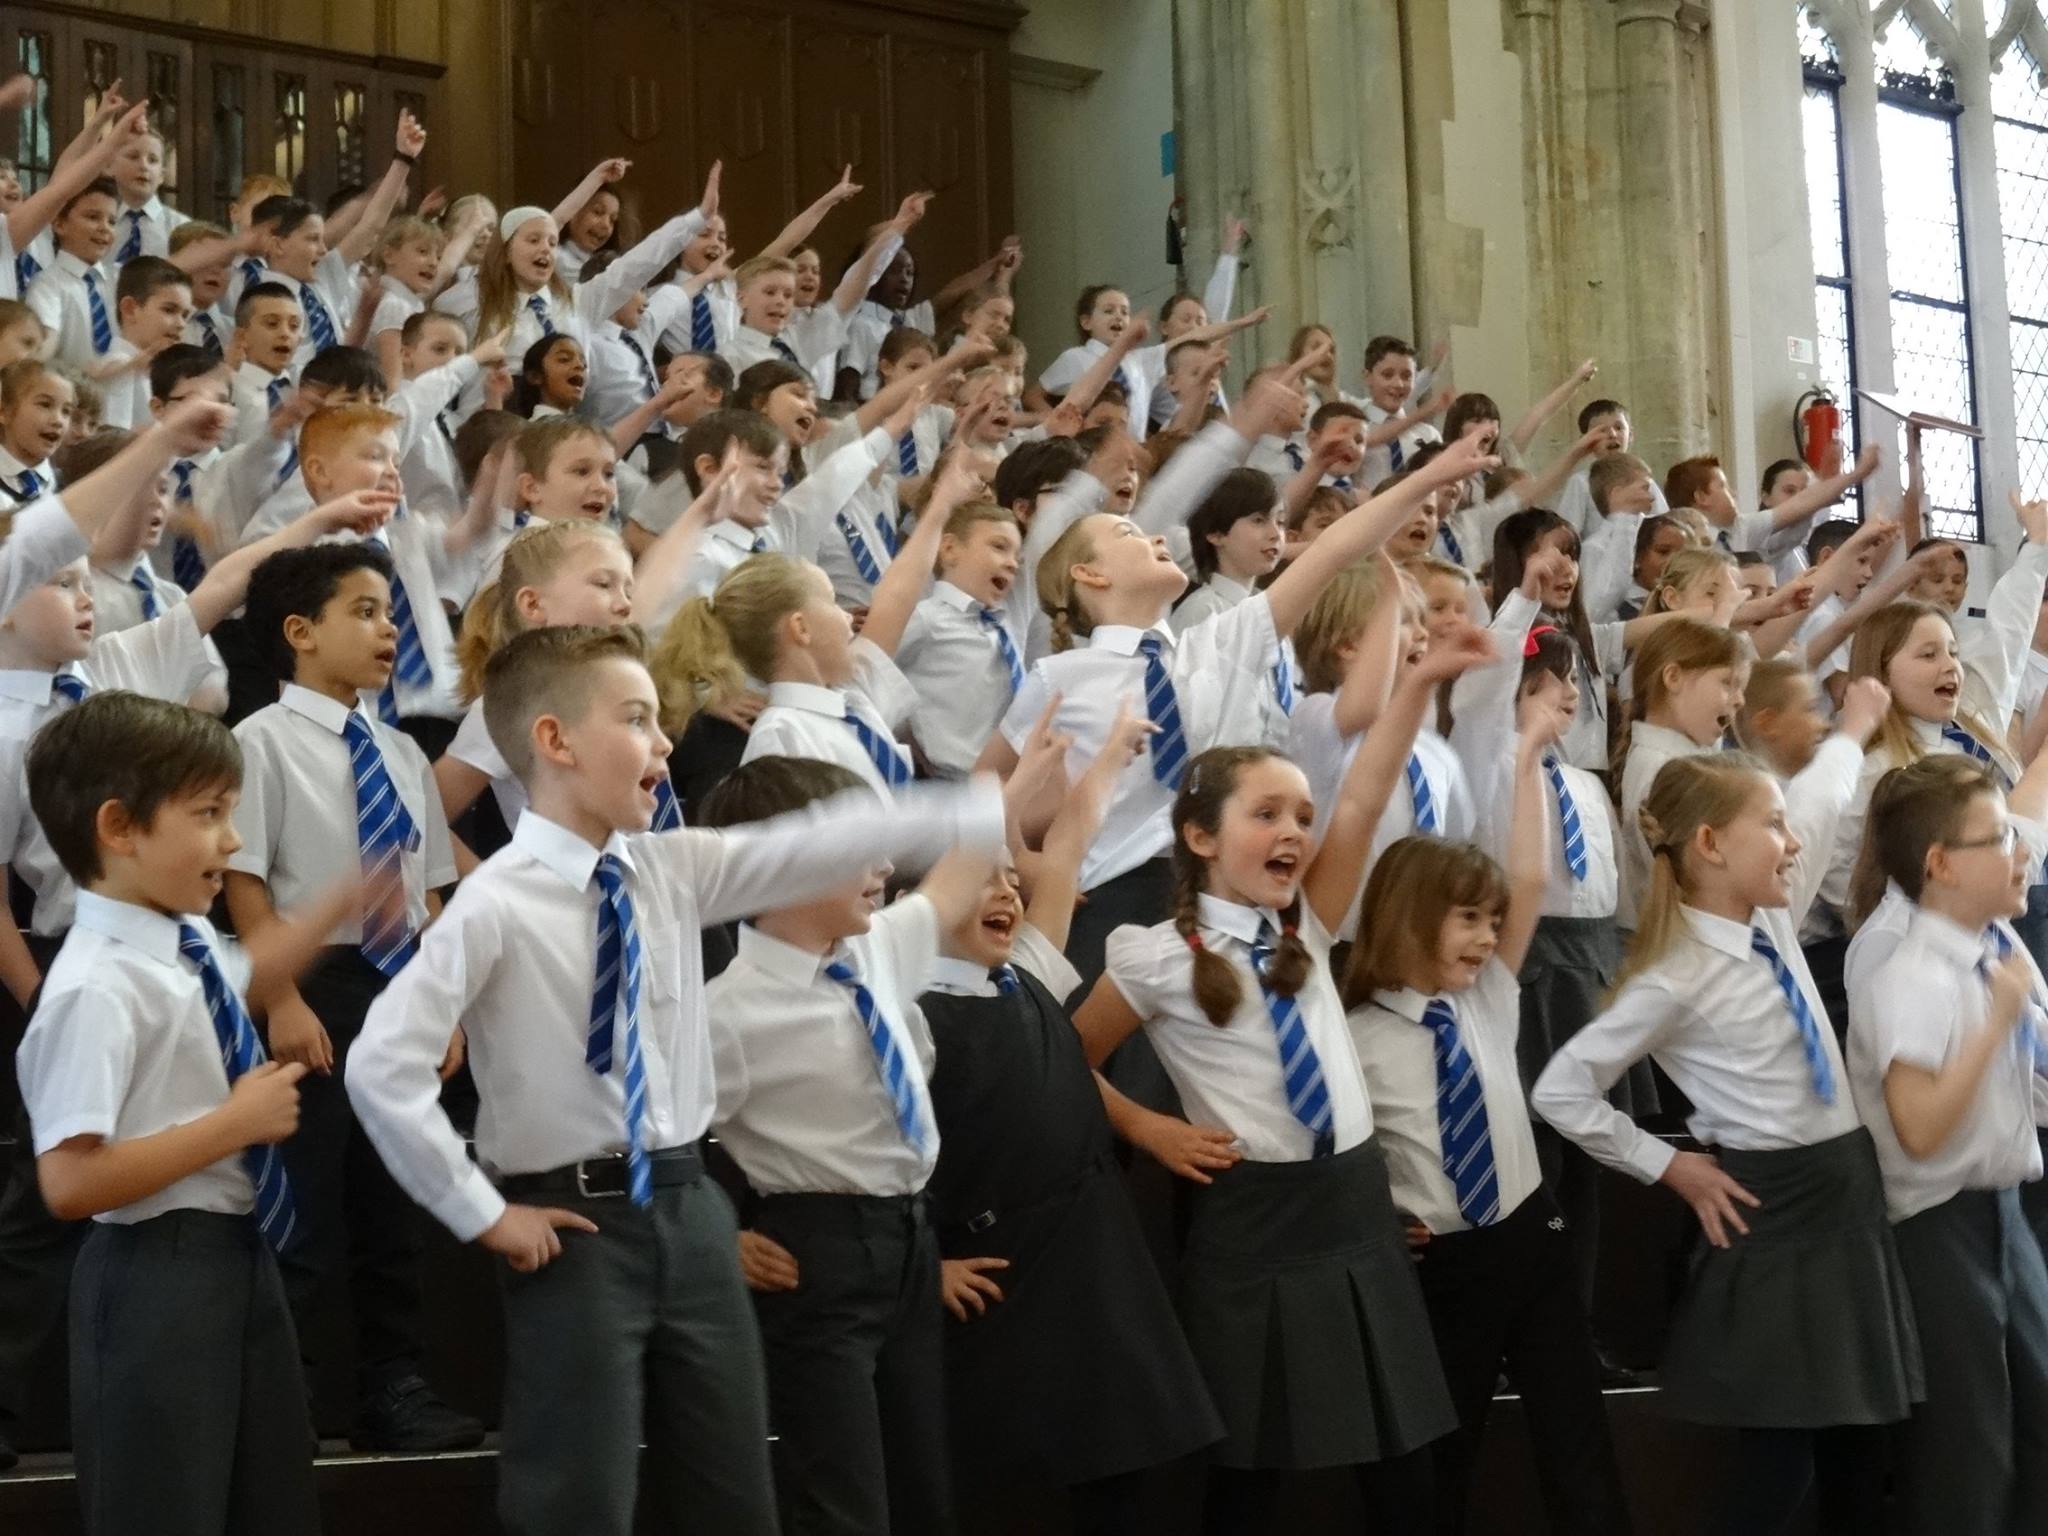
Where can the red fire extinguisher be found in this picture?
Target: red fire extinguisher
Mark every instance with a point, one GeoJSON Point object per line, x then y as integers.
{"type": "Point", "coordinates": [1817, 428]}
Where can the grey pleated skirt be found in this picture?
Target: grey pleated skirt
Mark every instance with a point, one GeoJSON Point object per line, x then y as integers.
{"type": "Point", "coordinates": [1572, 962]}
{"type": "Point", "coordinates": [1303, 1310]}
{"type": "Point", "coordinates": [1805, 1323]}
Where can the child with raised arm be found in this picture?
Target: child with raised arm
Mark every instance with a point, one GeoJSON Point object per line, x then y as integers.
{"type": "Point", "coordinates": [570, 961]}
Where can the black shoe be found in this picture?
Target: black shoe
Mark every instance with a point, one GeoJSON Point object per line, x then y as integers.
{"type": "Point", "coordinates": [1614, 1376]}
{"type": "Point", "coordinates": [8, 1456]}
{"type": "Point", "coordinates": [406, 1416]}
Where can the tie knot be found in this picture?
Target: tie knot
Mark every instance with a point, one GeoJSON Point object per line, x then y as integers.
{"type": "Point", "coordinates": [611, 873]}
{"type": "Point", "coordinates": [842, 972]}
{"type": "Point", "coordinates": [1760, 942]}
{"type": "Point", "coordinates": [70, 685]}
{"type": "Point", "coordinates": [1150, 645]}
{"type": "Point", "coordinates": [193, 946]}
{"type": "Point", "coordinates": [355, 729]}
{"type": "Point", "coordinates": [1439, 1015]}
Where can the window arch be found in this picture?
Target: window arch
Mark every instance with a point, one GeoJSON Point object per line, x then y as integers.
{"type": "Point", "coordinates": [2019, 101]}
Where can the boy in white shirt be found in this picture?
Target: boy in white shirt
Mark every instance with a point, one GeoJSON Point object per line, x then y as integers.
{"type": "Point", "coordinates": [73, 296]}
{"type": "Point", "coordinates": [210, 325]}
{"type": "Point", "coordinates": [1389, 386]}
{"type": "Point", "coordinates": [625, 1312]}
{"type": "Point", "coordinates": [152, 302]}
{"type": "Point", "coordinates": [145, 222]}
{"type": "Point", "coordinates": [269, 327]}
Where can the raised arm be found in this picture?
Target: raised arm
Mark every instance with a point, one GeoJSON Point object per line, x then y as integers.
{"type": "Point", "coordinates": [853, 287]}
{"type": "Point", "coordinates": [227, 579]}
{"type": "Point", "coordinates": [909, 575]}
{"type": "Point", "coordinates": [1369, 679]}
{"type": "Point", "coordinates": [798, 229]}
{"type": "Point", "coordinates": [383, 200]}
{"type": "Point", "coordinates": [601, 175]}
{"type": "Point", "coordinates": [925, 381]}
{"type": "Point", "coordinates": [1528, 862]}
{"type": "Point", "coordinates": [1056, 878]}
{"type": "Point", "coordinates": [1523, 433]}
{"type": "Point", "coordinates": [86, 158]}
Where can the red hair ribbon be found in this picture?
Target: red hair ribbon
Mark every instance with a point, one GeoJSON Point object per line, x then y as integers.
{"type": "Point", "coordinates": [1529, 641]}
{"type": "Point", "coordinates": [1194, 941]}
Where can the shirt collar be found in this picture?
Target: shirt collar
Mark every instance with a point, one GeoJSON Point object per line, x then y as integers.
{"type": "Point", "coordinates": [1229, 587]}
{"type": "Point", "coordinates": [1725, 934]}
{"type": "Point", "coordinates": [77, 267]}
{"type": "Point", "coordinates": [1406, 1003]}
{"type": "Point", "coordinates": [953, 597]}
{"type": "Point", "coordinates": [396, 289]}
{"type": "Point", "coordinates": [739, 535]}
{"type": "Point", "coordinates": [10, 466]}
{"type": "Point", "coordinates": [808, 697]}
{"type": "Point", "coordinates": [572, 859]}
{"type": "Point", "coordinates": [1927, 732]}
{"type": "Point", "coordinates": [272, 275]}
{"type": "Point", "coordinates": [151, 932]}
{"type": "Point", "coordinates": [962, 978]}
{"type": "Point", "coordinates": [152, 210]}
{"type": "Point", "coordinates": [775, 958]}
{"type": "Point", "coordinates": [1123, 638]}
{"type": "Point", "coordinates": [1947, 938]}
{"type": "Point", "coordinates": [28, 687]}
{"type": "Point", "coordinates": [317, 707]}
{"type": "Point", "coordinates": [1234, 918]}
{"type": "Point", "coordinates": [1675, 742]}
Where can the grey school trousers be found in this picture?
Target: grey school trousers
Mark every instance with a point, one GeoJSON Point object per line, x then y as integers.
{"type": "Point", "coordinates": [643, 1328]}
{"type": "Point", "coordinates": [188, 1410]}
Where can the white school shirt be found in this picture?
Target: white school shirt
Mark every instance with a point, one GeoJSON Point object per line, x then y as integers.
{"type": "Point", "coordinates": [58, 298]}
{"type": "Point", "coordinates": [414, 544]}
{"type": "Point", "coordinates": [802, 1106]}
{"type": "Point", "coordinates": [1064, 371]}
{"type": "Point", "coordinates": [124, 398]}
{"type": "Point", "coordinates": [797, 524]}
{"type": "Point", "coordinates": [858, 512]}
{"type": "Point", "coordinates": [250, 388]}
{"type": "Point", "coordinates": [12, 489]}
{"type": "Point", "coordinates": [870, 324]}
{"type": "Point", "coordinates": [811, 338]}
{"type": "Point", "coordinates": [396, 304]}
{"type": "Point", "coordinates": [117, 605]}
{"type": "Point", "coordinates": [1213, 665]}
{"type": "Point", "coordinates": [1575, 501]}
{"type": "Point", "coordinates": [1607, 553]}
{"type": "Point", "coordinates": [211, 329]}
{"type": "Point", "coordinates": [2033, 688]}
{"type": "Point", "coordinates": [165, 659]}
{"type": "Point", "coordinates": [1379, 461]}
{"type": "Point", "coordinates": [930, 430]}
{"type": "Point", "coordinates": [40, 542]}
{"type": "Point", "coordinates": [617, 385]}
{"type": "Point", "coordinates": [1397, 1054]}
{"type": "Point", "coordinates": [155, 218]}
{"type": "Point", "coordinates": [513, 961]}
{"type": "Point", "coordinates": [1231, 1076]}
{"type": "Point", "coordinates": [297, 814]}
{"type": "Point", "coordinates": [804, 720]}
{"type": "Point", "coordinates": [1031, 951]}
{"type": "Point", "coordinates": [334, 282]}
{"type": "Point", "coordinates": [1212, 597]}
{"type": "Point", "coordinates": [1281, 457]}
{"type": "Point", "coordinates": [1924, 1002]}
{"type": "Point", "coordinates": [954, 665]}
{"type": "Point", "coordinates": [1650, 747]}
{"type": "Point", "coordinates": [676, 313]}
{"type": "Point", "coordinates": [427, 466]}
{"type": "Point", "coordinates": [1584, 743]}
{"type": "Point", "coordinates": [123, 1046]}
{"type": "Point", "coordinates": [1474, 527]}
{"type": "Point", "coordinates": [472, 745]}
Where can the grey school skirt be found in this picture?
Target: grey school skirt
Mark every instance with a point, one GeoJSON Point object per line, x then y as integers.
{"type": "Point", "coordinates": [1806, 1323]}
{"type": "Point", "coordinates": [1303, 1310]}
{"type": "Point", "coordinates": [1572, 962]}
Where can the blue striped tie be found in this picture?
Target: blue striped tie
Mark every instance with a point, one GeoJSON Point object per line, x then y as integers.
{"type": "Point", "coordinates": [890, 1062]}
{"type": "Point", "coordinates": [26, 270]}
{"type": "Point", "coordinates": [69, 685]}
{"type": "Point", "coordinates": [1802, 1015]}
{"type": "Point", "coordinates": [1162, 708]}
{"type": "Point", "coordinates": [1013, 664]}
{"type": "Point", "coordinates": [145, 591]}
{"type": "Point", "coordinates": [252, 272]}
{"type": "Point", "coordinates": [29, 486]}
{"type": "Point", "coordinates": [1451, 545]}
{"type": "Point", "coordinates": [906, 454]}
{"type": "Point", "coordinates": [784, 351]}
{"type": "Point", "coordinates": [882, 751]}
{"type": "Point", "coordinates": [240, 1051]}
{"type": "Point", "coordinates": [1467, 1139]}
{"type": "Point", "coordinates": [2027, 1033]}
{"type": "Point", "coordinates": [1395, 456]}
{"type": "Point", "coordinates": [1122, 381]}
{"type": "Point", "coordinates": [384, 832]}
{"type": "Point", "coordinates": [1283, 681]}
{"type": "Point", "coordinates": [1295, 459]}
{"type": "Point", "coordinates": [648, 382]}
{"type": "Point", "coordinates": [703, 336]}
{"type": "Point", "coordinates": [188, 565]}
{"type": "Point", "coordinates": [539, 308]}
{"type": "Point", "coordinates": [132, 246]}
{"type": "Point", "coordinates": [1568, 820]}
{"type": "Point", "coordinates": [209, 336]}
{"type": "Point", "coordinates": [319, 324]}
{"type": "Point", "coordinates": [411, 666]}
{"type": "Point", "coordinates": [1301, 1070]}
{"type": "Point", "coordinates": [1419, 796]}
{"type": "Point", "coordinates": [1967, 744]}
{"type": "Point", "coordinates": [668, 811]}
{"type": "Point", "coordinates": [102, 326]}
{"type": "Point", "coordinates": [1006, 978]}
{"type": "Point", "coordinates": [863, 558]}
{"type": "Point", "coordinates": [617, 995]}
{"type": "Point", "coordinates": [886, 527]}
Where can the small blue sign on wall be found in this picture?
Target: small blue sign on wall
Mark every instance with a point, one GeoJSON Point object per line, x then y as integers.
{"type": "Point", "coordinates": [1166, 153]}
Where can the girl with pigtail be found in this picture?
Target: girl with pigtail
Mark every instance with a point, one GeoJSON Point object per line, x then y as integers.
{"type": "Point", "coordinates": [1798, 1262]}
{"type": "Point", "coordinates": [1296, 1285]}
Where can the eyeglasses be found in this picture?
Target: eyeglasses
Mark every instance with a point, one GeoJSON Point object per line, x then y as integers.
{"type": "Point", "coordinates": [2005, 839]}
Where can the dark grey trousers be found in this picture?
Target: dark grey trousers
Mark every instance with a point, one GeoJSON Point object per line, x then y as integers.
{"type": "Point", "coordinates": [641, 1329]}
{"type": "Point", "coordinates": [856, 1378]}
{"type": "Point", "coordinates": [188, 1411]}
{"type": "Point", "coordinates": [1977, 1450]}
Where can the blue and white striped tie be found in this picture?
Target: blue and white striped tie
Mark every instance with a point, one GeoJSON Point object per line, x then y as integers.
{"type": "Point", "coordinates": [1574, 834]}
{"type": "Point", "coordinates": [145, 592]}
{"type": "Point", "coordinates": [784, 351]}
{"type": "Point", "coordinates": [252, 272]}
{"type": "Point", "coordinates": [29, 486]}
{"type": "Point", "coordinates": [209, 336]}
{"type": "Point", "coordinates": [69, 685]}
{"type": "Point", "coordinates": [1451, 545]}
{"type": "Point", "coordinates": [1419, 797]}
{"type": "Point", "coordinates": [1395, 455]}
{"type": "Point", "coordinates": [649, 384]}
{"type": "Point", "coordinates": [891, 1064]}
{"type": "Point", "coordinates": [96, 308]}
{"type": "Point", "coordinates": [1005, 978]}
{"type": "Point", "coordinates": [132, 246]}
{"type": "Point", "coordinates": [1802, 1015]}
{"type": "Point", "coordinates": [1162, 708]}
{"type": "Point", "coordinates": [1295, 458]}
{"type": "Point", "coordinates": [1966, 743]}
{"type": "Point", "coordinates": [1301, 1070]}
{"type": "Point", "coordinates": [882, 751]}
{"type": "Point", "coordinates": [240, 1051]}
{"type": "Point", "coordinates": [188, 565]}
{"type": "Point", "coordinates": [26, 270]}
{"type": "Point", "coordinates": [319, 323]}
{"type": "Point", "coordinates": [703, 335]}
{"type": "Point", "coordinates": [1283, 680]}
{"type": "Point", "coordinates": [411, 667]}
{"type": "Point", "coordinates": [864, 560]}
{"type": "Point", "coordinates": [1462, 1128]}
{"type": "Point", "coordinates": [2027, 1034]}
{"type": "Point", "coordinates": [668, 811]}
{"type": "Point", "coordinates": [886, 527]}
{"type": "Point", "coordinates": [1013, 664]}
{"type": "Point", "coordinates": [538, 307]}
{"type": "Point", "coordinates": [617, 997]}
{"type": "Point", "coordinates": [385, 832]}
{"type": "Point", "coordinates": [906, 454]}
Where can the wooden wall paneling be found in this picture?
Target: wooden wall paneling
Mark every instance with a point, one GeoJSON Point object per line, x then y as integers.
{"type": "Point", "coordinates": [741, 113]}
{"type": "Point", "coordinates": [550, 123]}
{"type": "Point", "coordinates": [639, 95]}
{"type": "Point", "coordinates": [840, 77]}
{"type": "Point", "coordinates": [939, 140]}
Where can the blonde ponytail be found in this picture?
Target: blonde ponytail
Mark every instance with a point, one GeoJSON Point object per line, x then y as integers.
{"type": "Point", "coordinates": [1058, 593]}
{"type": "Point", "coordinates": [715, 643]}
{"type": "Point", "coordinates": [534, 555]}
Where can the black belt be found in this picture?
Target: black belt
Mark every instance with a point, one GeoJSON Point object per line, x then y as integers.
{"type": "Point", "coordinates": [604, 1178]}
{"type": "Point", "coordinates": [981, 1221]}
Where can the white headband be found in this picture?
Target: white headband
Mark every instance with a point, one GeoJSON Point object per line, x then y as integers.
{"type": "Point", "coordinates": [508, 226]}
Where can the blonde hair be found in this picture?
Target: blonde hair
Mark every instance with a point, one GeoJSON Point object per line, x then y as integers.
{"type": "Point", "coordinates": [534, 555]}
{"type": "Point", "coordinates": [1769, 687]}
{"type": "Point", "coordinates": [760, 266]}
{"type": "Point", "coordinates": [540, 673]}
{"type": "Point", "coordinates": [402, 231]}
{"type": "Point", "coordinates": [1692, 522]}
{"type": "Point", "coordinates": [1417, 883]}
{"type": "Point", "coordinates": [1340, 612]}
{"type": "Point", "coordinates": [1684, 569]}
{"type": "Point", "coordinates": [1691, 645]}
{"type": "Point", "coordinates": [1058, 593]}
{"type": "Point", "coordinates": [192, 231]}
{"type": "Point", "coordinates": [497, 291]}
{"type": "Point", "coordinates": [537, 443]}
{"type": "Point", "coordinates": [715, 643]}
{"type": "Point", "coordinates": [1881, 637]}
{"type": "Point", "coordinates": [1689, 793]}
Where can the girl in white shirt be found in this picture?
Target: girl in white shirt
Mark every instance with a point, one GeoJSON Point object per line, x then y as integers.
{"type": "Point", "coordinates": [1292, 1214]}
{"type": "Point", "coordinates": [1234, 539]}
{"type": "Point", "coordinates": [1798, 1262]}
{"type": "Point", "coordinates": [1945, 1044]}
{"type": "Point", "coordinates": [1434, 1014]}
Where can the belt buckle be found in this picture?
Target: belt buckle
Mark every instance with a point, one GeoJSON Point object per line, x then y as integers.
{"type": "Point", "coordinates": [982, 1222]}
{"type": "Point", "coordinates": [609, 1159]}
